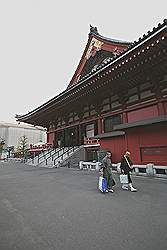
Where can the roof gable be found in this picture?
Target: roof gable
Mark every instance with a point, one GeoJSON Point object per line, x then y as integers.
{"type": "Point", "coordinates": [97, 50]}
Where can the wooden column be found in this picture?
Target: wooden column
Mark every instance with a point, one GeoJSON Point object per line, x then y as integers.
{"type": "Point", "coordinates": [79, 134]}
{"type": "Point", "coordinates": [80, 115]}
{"type": "Point", "coordinates": [124, 117]}
{"type": "Point", "coordinates": [160, 107]}
{"type": "Point", "coordinates": [156, 87]}
{"type": "Point", "coordinates": [98, 107]}
{"type": "Point", "coordinates": [100, 125]}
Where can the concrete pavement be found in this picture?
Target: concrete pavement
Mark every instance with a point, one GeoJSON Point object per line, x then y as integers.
{"type": "Point", "coordinates": [49, 209]}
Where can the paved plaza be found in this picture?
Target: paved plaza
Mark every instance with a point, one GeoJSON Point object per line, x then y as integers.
{"type": "Point", "coordinates": [52, 209]}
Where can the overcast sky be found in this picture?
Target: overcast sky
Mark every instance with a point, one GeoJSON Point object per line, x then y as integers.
{"type": "Point", "coordinates": [42, 41]}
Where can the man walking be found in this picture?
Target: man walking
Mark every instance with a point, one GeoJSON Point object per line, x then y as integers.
{"type": "Point", "coordinates": [107, 172]}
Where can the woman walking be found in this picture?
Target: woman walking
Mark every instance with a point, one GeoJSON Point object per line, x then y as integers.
{"type": "Point", "coordinates": [127, 168]}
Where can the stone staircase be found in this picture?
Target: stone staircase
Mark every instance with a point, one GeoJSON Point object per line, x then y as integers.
{"type": "Point", "coordinates": [64, 156]}
{"type": "Point", "coordinates": [41, 157]}
{"type": "Point", "coordinates": [59, 157]}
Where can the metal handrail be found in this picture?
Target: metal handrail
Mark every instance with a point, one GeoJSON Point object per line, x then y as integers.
{"type": "Point", "coordinates": [59, 149]}
{"type": "Point", "coordinates": [49, 152]}
{"type": "Point", "coordinates": [67, 151]}
{"type": "Point", "coordinates": [42, 154]}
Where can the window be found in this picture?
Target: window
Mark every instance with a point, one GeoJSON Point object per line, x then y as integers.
{"type": "Point", "coordinates": [146, 94]}
{"type": "Point", "coordinates": [144, 86]}
{"type": "Point", "coordinates": [106, 101]}
{"type": "Point", "coordinates": [59, 122]}
{"type": "Point", "coordinates": [86, 112]}
{"type": "Point", "coordinates": [90, 130]}
{"type": "Point", "coordinates": [114, 98]}
{"type": "Point", "coordinates": [108, 125]}
{"type": "Point", "coordinates": [106, 108]}
{"type": "Point", "coordinates": [76, 117]}
{"type": "Point", "coordinates": [133, 98]}
{"type": "Point", "coordinates": [116, 119]}
{"type": "Point", "coordinates": [92, 112]}
{"type": "Point", "coordinates": [132, 91]}
{"type": "Point", "coordinates": [109, 122]}
{"type": "Point", "coordinates": [115, 104]}
{"type": "Point", "coordinates": [71, 117]}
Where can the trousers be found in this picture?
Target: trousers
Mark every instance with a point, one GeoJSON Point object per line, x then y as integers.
{"type": "Point", "coordinates": [108, 177]}
{"type": "Point", "coordinates": [129, 178]}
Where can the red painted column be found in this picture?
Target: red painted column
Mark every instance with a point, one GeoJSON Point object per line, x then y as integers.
{"type": "Point", "coordinates": [160, 107]}
{"type": "Point", "coordinates": [124, 117]}
{"type": "Point", "coordinates": [125, 120]}
{"type": "Point", "coordinates": [79, 134]}
{"type": "Point", "coordinates": [47, 140]}
{"type": "Point", "coordinates": [100, 125]}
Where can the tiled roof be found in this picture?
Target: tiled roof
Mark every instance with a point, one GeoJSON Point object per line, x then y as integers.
{"type": "Point", "coordinates": [109, 39]}
{"type": "Point", "coordinates": [131, 46]}
{"type": "Point", "coordinates": [103, 66]}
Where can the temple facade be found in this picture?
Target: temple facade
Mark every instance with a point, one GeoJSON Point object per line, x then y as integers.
{"type": "Point", "coordinates": [116, 100]}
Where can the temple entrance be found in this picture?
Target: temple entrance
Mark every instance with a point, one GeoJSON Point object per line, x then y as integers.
{"type": "Point", "coordinates": [92, 154]}
{"type": "Point", "coordinates": [69, 137]}
{"type": "Point", "coordinates": [74, 136]}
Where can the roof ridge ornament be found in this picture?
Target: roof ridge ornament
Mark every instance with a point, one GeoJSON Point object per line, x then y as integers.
{"type": "Point", "coordinates": [93, 30]}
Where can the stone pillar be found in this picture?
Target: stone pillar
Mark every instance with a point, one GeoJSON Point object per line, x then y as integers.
{"type": "Point", "coordinates": [81, 165]}
{"type": "Point", "coordinates": [150, 169]}
{"type": "Point", "coordinates": [97, 166]}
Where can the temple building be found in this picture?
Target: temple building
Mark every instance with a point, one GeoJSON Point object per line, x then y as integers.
{"type": "Point", "coordinates": [116, 100]}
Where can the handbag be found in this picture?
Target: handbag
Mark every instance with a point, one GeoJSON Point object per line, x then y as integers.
{"type": "Point", "coordinates": [123, 178]}
{"type": "Point", "coordinates": [102, 184]}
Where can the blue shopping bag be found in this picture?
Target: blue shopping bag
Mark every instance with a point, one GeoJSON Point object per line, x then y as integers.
{"type": "Point", "coordinates": [102, 184]}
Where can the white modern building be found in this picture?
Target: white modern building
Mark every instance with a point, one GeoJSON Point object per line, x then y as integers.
{"type": "Point", "coordinates": [11, 133]}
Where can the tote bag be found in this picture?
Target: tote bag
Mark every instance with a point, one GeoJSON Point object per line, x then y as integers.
{"type": "Point", "coordinates": [123, 178]}
{"type": "Point", "coordinates": [102, 184]}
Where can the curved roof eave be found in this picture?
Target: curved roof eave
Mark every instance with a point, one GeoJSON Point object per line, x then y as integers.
{"type": "Point", "coordinates": [111, 39]}
{"type": "Point", "coordinates": [135, 45]}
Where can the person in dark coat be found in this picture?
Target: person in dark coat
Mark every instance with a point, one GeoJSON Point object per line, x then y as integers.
{"type": "Point", "coordinates": [107, 172]}
{"type": "Point", "coordinates": [126, 168]}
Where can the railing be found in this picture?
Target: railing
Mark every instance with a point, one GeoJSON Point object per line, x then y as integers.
{"type": "Point", "coordinates": [91, 141]}
{"type": "Point", "coordinates": [51, 157]}
{"type": "Point", "coordinates": [14, 159]}
{"type": "Point", "coordinates": [40, 147]}
{"type": "Point", "coordinates": [145, 170]}
{"type": "Point", "coordinates": [42, 155]}
{"type": "Point", "coordinates": [89, 165]}
{"type": "Point", "coordinates": [62, 155]}
{"type": "Point", "coordinates": [49, 153]}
